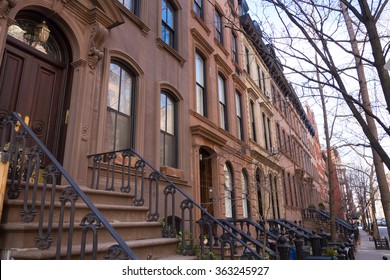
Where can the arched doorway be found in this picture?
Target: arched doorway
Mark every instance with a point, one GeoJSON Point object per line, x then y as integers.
{"type": "Point", "coordinates": [33, 78]}
{"type": "Point", "coordinates": [206, 180]}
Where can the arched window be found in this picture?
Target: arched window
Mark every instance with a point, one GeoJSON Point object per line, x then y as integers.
{"type": "Point", "coordinates": [120, 108]}
{"type": "Point", "coordinates": [168, 145]}
{"type": "Point", "coordinates": [230, 208]}
{"type": "Point", "coordinates": [246, 212]}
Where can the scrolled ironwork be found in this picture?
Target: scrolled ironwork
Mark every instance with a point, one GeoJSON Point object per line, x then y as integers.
{"type": "Point", "coordinates": [115, 252]}
{"type": "Point", "coordinates": [139, 183]}
{"type": "Point", "coordinates": [45, 235]}
{"type": "Point", "coordinates": [169, 229]}
{"type": "Point", "coordinates": [90, 223]}
{"type": "Point", "coordinates": [154, 182]}
{"type": "Point", "coordinates": [25, 164]}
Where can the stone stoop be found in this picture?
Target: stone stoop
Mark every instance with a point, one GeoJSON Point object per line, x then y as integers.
{"type": "Point", "coordinates": [17, 238]}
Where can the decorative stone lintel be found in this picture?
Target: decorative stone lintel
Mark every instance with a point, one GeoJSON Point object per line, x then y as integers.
{"type": "Point", "coordinates": [98, 35]}
{"type": "Point", "coordinates": [5, 7]}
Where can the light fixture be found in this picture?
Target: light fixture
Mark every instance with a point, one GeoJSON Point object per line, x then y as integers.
{"type": "Point", "coordinates": [41, 32]}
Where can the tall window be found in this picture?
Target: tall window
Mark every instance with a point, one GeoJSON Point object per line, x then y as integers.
{"type": "Point", "coordinates": [218, 27]}
{"type": "Point", "coordinates": [198, 8]}
{"type": "Point", "coordinates": [248, 68]}
{"type": "Point", "coordinates": [277, 197]}
{"type": "Point", "coordinates": [278, 136]}
{"type": "Point", "coordinates": [230, 207]}
{"type": "Point", "coordinates": [259, 195]}
{"type": "Point", "coordinates": [245, 196]}
{"type": "Point", "coordinates": [234, 48]}
{"type": "Point", "coordinates": [272, 196]}
{"type": "Point", "coordinates": [168, 23]}
{"type": "Point", "coordinates": [131, 5]}
{"type": "Point", "coordinates": [260, 83]}
{"type": "Point", "coordinates": [253, 124]}
{"type": "Point", "coordinates": [265, 131]}
{"type": "Point", "coordinates": [222, 103]}
{"type": "Point", "coordinates": [284, 187]}
{"type": "Point", "coordinates": [269, 132]}
{"type": "Point", "coordinates": [239, 116]}
{"type": "Point", "coordinates": [295, 191]}
{"type": "Point", "coordinates": [168, 151]}
{"type": "Point", "coordinates": [290, 188]}
{"type": "Point", "coordinates": [120, 108]}
{"type": "Point", "coordinates": [200, 85]}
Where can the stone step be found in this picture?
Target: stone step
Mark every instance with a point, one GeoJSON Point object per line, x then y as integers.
{"type": "Point", "coordinates": [13, 208]}
{"type": "Point", "coordinates": [96, 196]}
{"type": "Point", "coordinates": [20, 235]}
{"type": "Point", "coordinates": [156, 248]}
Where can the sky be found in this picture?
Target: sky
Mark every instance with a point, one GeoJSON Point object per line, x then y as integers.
{"type": "Point", "coordinates": [344, 126]}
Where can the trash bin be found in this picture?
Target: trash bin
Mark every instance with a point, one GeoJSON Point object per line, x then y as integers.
{"type": "Point", "coordinates": [293, 254]}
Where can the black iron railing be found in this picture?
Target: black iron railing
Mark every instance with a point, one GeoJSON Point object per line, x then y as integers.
{"type": "Point", "coordinates": [58, 222]}
{"type": "Point", "coordinates": [245, 228]}
{"type": "Point", "coordinates": [126, 171]}
{"type": "Point", "coordinates": [279, 225]}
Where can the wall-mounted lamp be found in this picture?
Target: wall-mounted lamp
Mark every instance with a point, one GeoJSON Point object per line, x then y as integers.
{"type": "Point", "coordinates": [39, 35]}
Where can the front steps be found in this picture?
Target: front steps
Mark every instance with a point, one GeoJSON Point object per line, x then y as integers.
{"type": "Point", "coordinates": [17, 238]}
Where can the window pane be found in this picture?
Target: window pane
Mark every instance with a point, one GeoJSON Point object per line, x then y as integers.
{"type": "Point", "coordinates": [221, 89]}
{"type": "Point", "coordinates": [244, 185]}
{"type": "Point", "coordinates": [114, 87]}
{"type": "Point", "coordinates": [110, 131]}
{"type": "Point", "coordinates": [170, 117]}
{"type": "Point", "coordinates": [163, 113]}
{"type": "Point", "coordinates": [199, 70]}
{"type": "Point", "coordinates": [228, 191]}
{"type": "Point", "coordinates": [122, 137]}
{"type": "Point", "coordinates": [199, 100]}
{"type": "Point", "coordinates": [125, 95]}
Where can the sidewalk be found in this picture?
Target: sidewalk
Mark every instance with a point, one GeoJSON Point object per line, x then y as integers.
{"type": "Point", "coordinates": [366, 248]}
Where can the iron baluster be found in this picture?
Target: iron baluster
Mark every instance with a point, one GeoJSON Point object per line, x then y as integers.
{"type": "Point", "coordinates": [110, 171]}
{"type": "Point", "coordinates": [187, 206]}
{"type": "Point", "coordinates": [96, 171]}
{"type": "Point", "coordinates": [33, 166]}
{"type": "Point", "coordinates": [226, 239]}
{"type": "Point", "coordinates": [90, 222]}
{"type": "Point", "coordinates": [44, 240]}
{"type": "Point", "coordinates": [154, 179]}
{"type": "Point", "coordinates": [126, 164]}
{"type": "Point", "coordinates": [68, 195]}
{"type": "Point", "coordinates": [169, 230]}
{"type": "Point", "coordinates": [139, 190]}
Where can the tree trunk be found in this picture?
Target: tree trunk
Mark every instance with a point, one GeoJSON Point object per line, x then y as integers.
{"type": "Point", "coordinates": [379, 60]}
{"type": "Point", "coordinates": [378, 163]}
{"type": "Point", "coordinates": [330, 167]}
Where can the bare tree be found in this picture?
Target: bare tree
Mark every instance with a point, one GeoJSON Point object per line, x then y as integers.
{"type": "Point", "coordinates": [320, 24]}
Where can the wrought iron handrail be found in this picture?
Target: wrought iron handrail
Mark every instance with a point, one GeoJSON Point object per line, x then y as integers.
{"type": "Point", "coordinates": [256, 241]}
{"type": "Point", "coordinates": [25, 166]}
{"type": "Point", "coordinates": [133, 168]}
{"type": "Point", "coordinates": [298, 227]}
{"type": "Point", "coordinates": [290, 228]}
{"type": "Point", "coordinates": [338, 220]}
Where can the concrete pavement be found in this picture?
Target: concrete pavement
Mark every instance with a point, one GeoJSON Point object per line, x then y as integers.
{"type": "Point", "coordinates": [366, 248]}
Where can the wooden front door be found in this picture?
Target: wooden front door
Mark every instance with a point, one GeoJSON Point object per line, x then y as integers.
{"type": "Point", "coordinates": [33, 84]}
